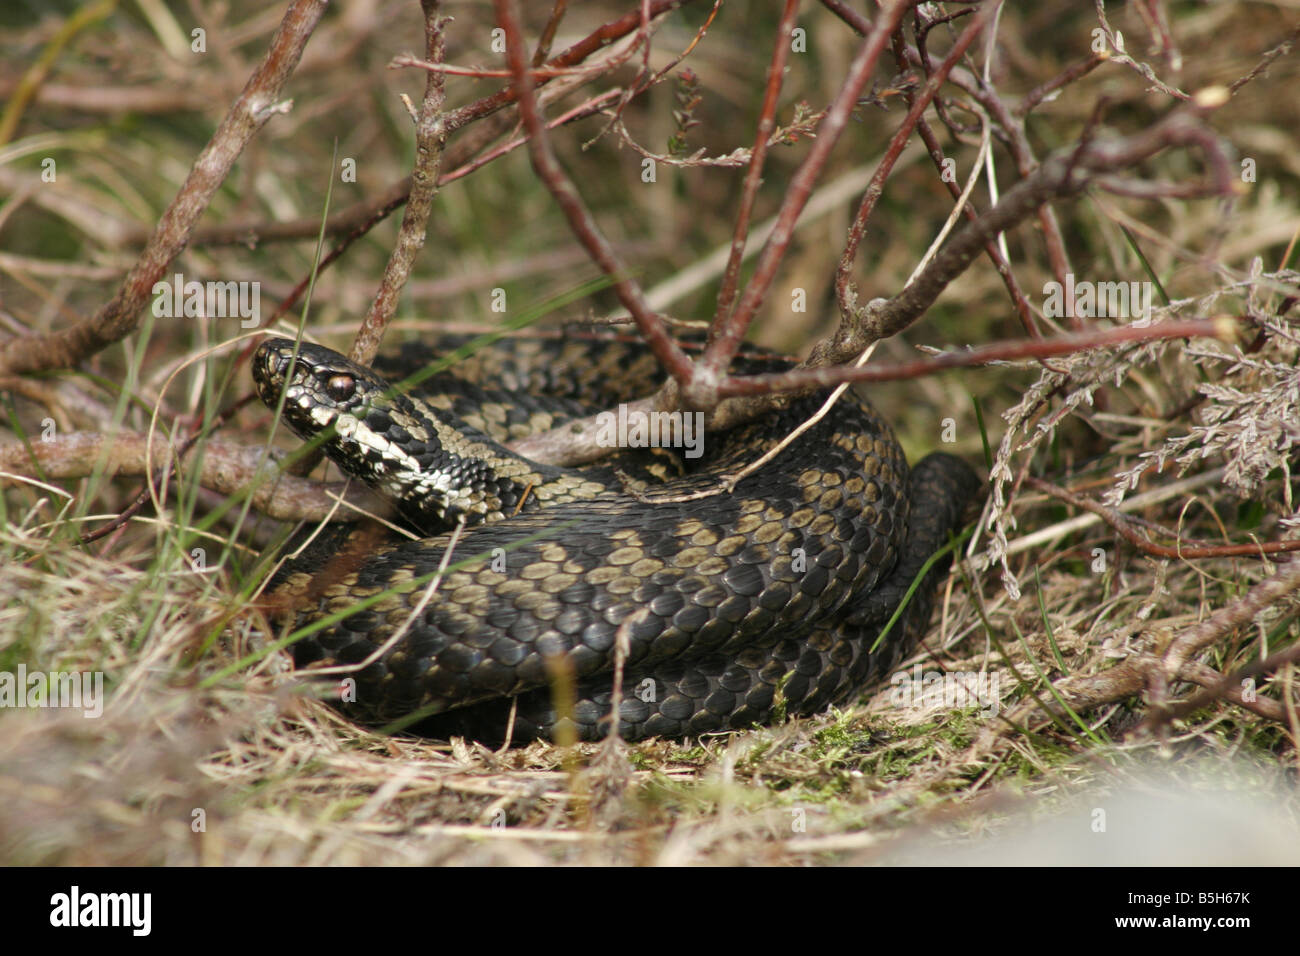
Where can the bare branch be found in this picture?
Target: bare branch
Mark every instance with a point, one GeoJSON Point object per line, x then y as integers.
{"type": "Point", "coordinates": [1282, 49]}
{"type": "Point", "coordinates": [1145, 671]}
{"type": "Point", "coordinates": [575, 442]}
{"type": "Point", "coordinates": [803, 379]}
{"type": "Point", "coordinates": [226, 467]}
{"type": "Point", "coordinates": [1237, 614]}
{"type": "Point", "coordinates": [1227, 687]}
{"type": "Point", "coordinates": [860, 24]}
{"type": "Point", "coordinates": [1023, 308]}
{"type": "Point", "coordinates": [460, 152]}
{"type": "Point", "coordinates": [1067, 76]}
{"type": "Point", "coordinates": [1181, 550]}
{"type": "Point", "coordinates": [596, 40]}
{"type": "Point", "coordinates": [1012, 131]}
{"type": "Point", "coordinates": [258, 102]}
{"type": "Point", "coordinates": [548, 32]}
{"type": "Point", "coordinates": [1064, 173]}
{"type": "Point", "coordinates": [1117, 55]}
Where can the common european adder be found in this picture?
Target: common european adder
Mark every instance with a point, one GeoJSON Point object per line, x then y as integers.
{"type": "Point", "coordinates": [735, 607]}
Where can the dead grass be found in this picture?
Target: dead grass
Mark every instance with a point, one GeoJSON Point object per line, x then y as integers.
{"type": "Point", "coordinates": [195, 760]}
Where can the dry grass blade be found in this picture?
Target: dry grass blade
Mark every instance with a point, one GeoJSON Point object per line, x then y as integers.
{"type": "Point", "coordinates": [1076, 149]}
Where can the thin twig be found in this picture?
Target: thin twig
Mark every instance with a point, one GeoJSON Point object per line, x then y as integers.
{"type": "Point", "coordinates": [1229, 687]}
{"type": "Point", "coordinates": [1054, 532]}
{"type": "Point", "coordinates": [1010, 128]}
{"type": "Point", "coordinates": [1070, 74]}
{"type": "Point", "coordinates": [1282, 49]}
{"type": "Point", "coordinates": [548, 32]}
{"type": "Point", "coordinates": [379, 214]}
{"type": "Point", "coordinates": [1117, 55]}
{"type": "Point", "coordinates": [860, 24]}
{"type": "Point", "coordinates": [588, 108]}
{"type": "Point", "coordinates": [598, 39]}
{"type": "Point", "coordinates": [968, 209]}
{"type": "Point", "coordinates": [460, 152]}
{"type": "Point", "coordinates": [646, 79]}
{"type": "Point", "coordinates": [1065, 173]}
{"type": "Point", "coordinates": [1181, 550]}
{"type": "Point", "coordinates": [1144, 671]}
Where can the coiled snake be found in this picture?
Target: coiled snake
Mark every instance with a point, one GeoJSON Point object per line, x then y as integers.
{"type": "Point", "coordinates": [734, 606]}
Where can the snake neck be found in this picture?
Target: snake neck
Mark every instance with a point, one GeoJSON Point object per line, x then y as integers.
{"type": "Point", "coordinates": [435, 473]}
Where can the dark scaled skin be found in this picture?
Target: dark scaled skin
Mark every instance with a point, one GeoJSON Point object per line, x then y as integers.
{"type": "Point", "coordinates": [730, 606]}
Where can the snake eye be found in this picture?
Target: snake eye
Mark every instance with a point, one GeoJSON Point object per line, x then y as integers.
{"type": "Point", "coordinates": [341, 387]}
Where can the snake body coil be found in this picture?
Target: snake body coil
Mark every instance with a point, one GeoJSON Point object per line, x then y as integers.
{"type": "Point", "coordinates": [734, 606]}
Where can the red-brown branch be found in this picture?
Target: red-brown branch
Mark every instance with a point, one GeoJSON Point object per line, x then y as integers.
{"type": "Point", "coordinates": [596, 40]}
{"type": "Point", "coordinates": [430, 138]}
{"type": "Point", "coordinates": [1070, 74]}
{"type": "Point", "coordinates": [1124, 527]}
{"type": "Point", "coordinates": [1065, 173]}
{"type": "Point", "coordinates": [347, 220]}
{"type": "Point", "coordinates": [807, 378]}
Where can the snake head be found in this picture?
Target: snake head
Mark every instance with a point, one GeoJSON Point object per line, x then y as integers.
{"type": "Point", "coordinates": [376, 434]}
{"type": "Point", "coordinates": [320, 387]}
{"type": "Point", "coordinates": [355, 412]}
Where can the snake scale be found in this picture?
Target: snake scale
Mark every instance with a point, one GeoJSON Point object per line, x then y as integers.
{"type": "Point", "coordinates": [734, 607]}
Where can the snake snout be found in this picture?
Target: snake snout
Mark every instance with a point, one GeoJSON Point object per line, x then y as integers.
{"type": "Point", "coordinates": [271, 361]}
